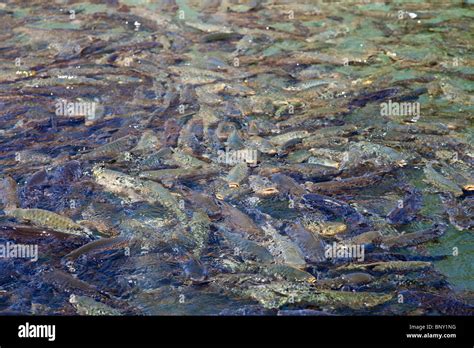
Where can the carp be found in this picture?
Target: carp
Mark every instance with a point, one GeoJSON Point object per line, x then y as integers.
{"type": "Point", "coordinates": [49, 220]}
{"type": "Point", "coordinates": [237, 175]}
{"type": "Point", "coordinates": [310, 244]}
{"type": "Point", "coordinates": [88, 306]}
{"type": "Point", "coordinates": [236, 220]}
{"type": "Point", "coordinates": [99, 245]}
{"type": "Point", "coordinates": [441, 182]}
{"type": "Point", "coordinates": [262, 187]}
{"type": "Point", "coordinates": [414, 238]}
{"type": "Point", "coordinates": [396, 266]}
{"type": "Point", "coordinates": [246, 248]}
{"type": "Point", "coordinates": [288, 273]}
{"type": "Point", "coordinates": [138, 189]}
{"type": "Point", "coordinates": [406, 208]}
{"type": "Point", "coordinates": [325, 228]}
{"type": "Point", "coordinates": [199, 230]}
{"type": "Point", "coordinates": [8, 192]}
{"type": "Point", "coordinates": [112, 149]}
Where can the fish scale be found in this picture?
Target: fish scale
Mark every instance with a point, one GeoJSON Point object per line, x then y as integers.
{"type": "Point", "coordinates": [50, 220]}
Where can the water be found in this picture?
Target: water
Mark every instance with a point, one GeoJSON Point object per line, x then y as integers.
{"type": "Point", "coordinates": [142, 65]}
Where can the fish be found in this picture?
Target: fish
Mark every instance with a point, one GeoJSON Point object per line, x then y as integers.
{"type": "Point", "coordinates": [171, 132]}
{"type": "Point", "coordinates": [253, 128]}
{"type": "Point", "coordinates": [8, 192]}
{"type": "Point", "coordinates": [230, 194]}
{"type": "Point", "coordinates": [234, 141]}
{"type": "Point", "coordinates": [174, 174]}
{"type": "Point", "coordinates": [396, 266]}
{"type": "Point", "coordinates": [406, 209]}
{"type": "Point", "coordinates": [225, 129]}
{"type": "Point", "coordinates": [323, 162]}
{"type": "Point", "coordinates": [298, 156]}
{"type": "Point", "coordinates": [287, 272]}
{"type": "Point", "coordinates": [334, 207]}
{"type": "Point", "coordinates": [279, 294]}
{"type": "Point", "coordinates": [302, 312]}
{"type": "Point", "coordinates": [38, 178]}
{"type": "Point", "coordinates": [372, 97]}
{"type": "Point", "coordinates": [461, 214]}
{"type": "Point", "coordinates": [455, 94]}
{"type": "Point", "coordinates": [190, 137]}
{"type": "Point", "coordinates": [48, 219]}
{"type": "Point", "coordinates": [261, 144]}
{"type": "Point", "coordinates": [88, 306]}
{"type": "Point", "coordinates": [111, 149]}
{"type": "Point", "coordinates": [149, 141]}
{"type": "Point", "coordinates": [201, 200]}
{"type": "Point", "coordinates": [439, 303]}
{"type": "Point", "coordinates": [353, 279]}
{"type": "Point", "coordinates": [341, 186]}
{"type": "Point", "coordinates": [237, 175]}
{"type": "Point", "coordinates": [246, 248]}
{"type": "Point", "coordinates": [99, 245]}
{"type": "Point", "coordinates": [333, 131]}
{"type": "Point", "coordinates": [367, 154]}
{"type": "Point", "coordinates": [280, 139]}
{"type": "Point", "coordinates": [262, 187]}
{"type": "Point", "coordinates": [324, 228]}
{"type": "Point", "coordinates": [154, 160]}
{"type": "Point", "coordinates": [288, 185]}
{"type": "Point", "coordinates": [232, 144]}
{"type": "Point", "coordinates": [65, 281]}
{"type": "Point", "coordinates": [311, 245]}
{"type": "Point", "coordinates": [199, 230]}
{"type": "Point", "coordinates": [441, 182]}
{"type": "Point", "coordinates": [357, 278]}
{"type": "Point", "coordinates": [369, 237]}
{"type": "Point", "coordinates": [413, 238]}
{"type": "Point", "coordinates": [119, 183]}
{"type": "Point", "coordinates": [302, 86]}
{"type": "Point", "coordinates": [138, 189]}
{"type": "Point", "coordinates": [194, 270]}
{"type": "Point", "coordinates": [235, 220]}
{"type": "Point", "coordinates": [185, 160]}
{"type": "Point", "coordinates": [306, 171]}
{"type": "Point", "coordinates": [212, 37]}
{"type": "Point", "coordinates": [330, 141]}
{"type": "Point", "coordinates": [195, 76]}
{"type": "Point", "coordinates": [284, 250]}
{"type": "Point", "coordinates": [155, 233]}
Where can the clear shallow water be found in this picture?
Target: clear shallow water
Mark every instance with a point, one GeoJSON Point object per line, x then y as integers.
{"type": "Point", "coordinates": [289, 67]}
